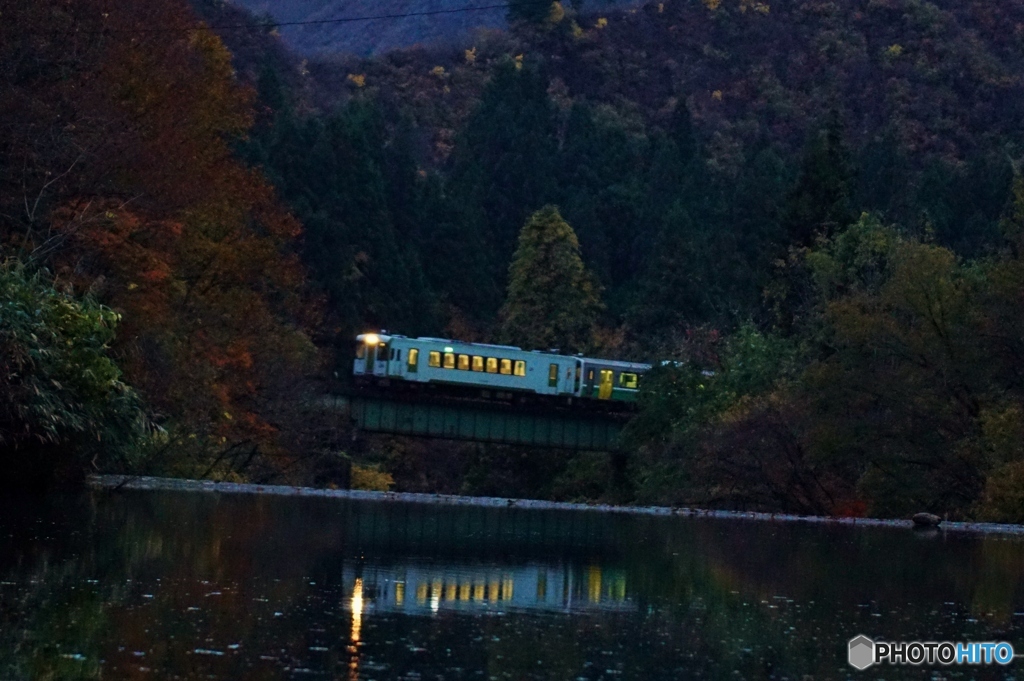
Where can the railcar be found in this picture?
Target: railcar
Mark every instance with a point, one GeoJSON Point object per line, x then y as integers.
{"type": "Point", "coordinates": [493, 370]}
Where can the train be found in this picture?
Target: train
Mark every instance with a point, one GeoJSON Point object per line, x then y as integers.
{"type": "Point", "coordinates": [494, 371]}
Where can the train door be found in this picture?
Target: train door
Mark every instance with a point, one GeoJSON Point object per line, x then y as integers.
{"type": "Point", "coordinates": [371, 359]}
{"type": "Point", "coordinates": [589, 381]}
{"type": "Point", "coordinates": [579, 376]}
{"type": "Point", "coordinates": [383, 354]}
{"type": "Point", "coordinates": [604, 391]}
{"type": "Point", "coordinates": [397, 366]}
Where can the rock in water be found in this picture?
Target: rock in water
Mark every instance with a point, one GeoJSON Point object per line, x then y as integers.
{"type": "Point", "coordinates": [926, 520]}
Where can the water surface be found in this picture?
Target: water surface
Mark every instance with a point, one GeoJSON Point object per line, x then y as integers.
{"type": "Point", "coordinates": [139, 584]}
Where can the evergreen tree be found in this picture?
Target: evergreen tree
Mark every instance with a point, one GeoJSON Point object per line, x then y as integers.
{"type": "Point", "coordinates": [553, 301]}
{"type": "Point", "coordinates": [504, 161]}
{"type": "Point", "coordinates": [602, 185]}
{"type": "Point", "coordinates": [456, 257]}
{"type": "Point", "coordinates": [533, 11]}
{"type": "Point", "coordinates": [820, 201]}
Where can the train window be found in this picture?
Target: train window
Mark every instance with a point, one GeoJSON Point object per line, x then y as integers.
{"type": "Point", "coordinates": [478, 363]}
{"type": "Point", "coordinates": [628, 380]}
{"type": "Point", "coordinates": [506, 366]}
{"type": "Point", "coordinates": [398, 355]}
{"type": "Point", "coordinates": [520, 368]}
{"type": "Point", "coordinates": [463, 362]}
{"type": "Point", "coordinates": [434, 359]}
{"type": "Point", "coordinates": [590, 376]}
{"type": "Point", "coordinates": [361, 351]}
{"type": "Point", "coordinates": [552, 375]}
{"type": "Point", "coordinates": [492, 365]}
{"type": "Point", "coordinates": [449, 360]}
{"type": "Point", "coordinates": [414, 359]}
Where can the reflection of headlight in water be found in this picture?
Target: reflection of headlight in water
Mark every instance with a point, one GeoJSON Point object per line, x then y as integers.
{"type": "Point", "coordinates": [357, 609]}
{"type": "Point", "coordinates": [356, 605]}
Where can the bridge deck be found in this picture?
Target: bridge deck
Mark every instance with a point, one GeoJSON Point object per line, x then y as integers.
{"type": "Point", "coordinates": [478, 422]}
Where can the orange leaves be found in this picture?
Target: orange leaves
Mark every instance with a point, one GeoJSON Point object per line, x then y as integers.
{"type": "Point", "coordinates": [235, 356]}
{"type": "Point", "coordinates": [159, 219]}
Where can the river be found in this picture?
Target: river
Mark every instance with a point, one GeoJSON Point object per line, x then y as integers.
{"type": "Point", "coordinates": [159, 584]}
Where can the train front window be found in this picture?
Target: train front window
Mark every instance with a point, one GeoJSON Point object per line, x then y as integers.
{"type": "Point", "coordinates": [520, 368]}
{"type": "Point", "coordinates": [552, 375]}
{"type": "Point", "coordinates": [492, 365]}
{"type": "Point", "coordinates": [413, 358]}
{"type": "Point", "coordinates": [478, 363]}
{"type": "Point", "coordinates": [449, 360]}
{"type": "Point", "coordinates": [463, 362]}
{"type": "Point", "coordinates": [628, 380]}
{"type": "Point", "coordinates": [506, 367]}
{"type": "Point", "coordinates": [361, 351]}
{"type": "Point", "coordinates": [434, 359]}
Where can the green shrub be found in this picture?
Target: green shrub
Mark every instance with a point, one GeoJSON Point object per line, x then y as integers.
{"type": "Point", "coordinates": [63, 405]}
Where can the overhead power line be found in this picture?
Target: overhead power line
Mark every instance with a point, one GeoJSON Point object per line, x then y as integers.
{"type": "Point", "coordinates": [339, 20]}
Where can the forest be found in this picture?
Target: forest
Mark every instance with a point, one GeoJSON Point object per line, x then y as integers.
{"type": "Point", "coordinates": [813, 211]}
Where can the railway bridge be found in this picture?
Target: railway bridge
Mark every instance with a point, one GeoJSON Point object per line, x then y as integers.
{"type": "Point", "coordinates": [429, 415]}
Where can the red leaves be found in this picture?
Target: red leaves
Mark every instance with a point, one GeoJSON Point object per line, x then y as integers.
{"type": "Point", "coordinates": [158, 218]}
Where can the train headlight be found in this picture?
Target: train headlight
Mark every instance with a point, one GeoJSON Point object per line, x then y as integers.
{"type": "Point", "coordinates": [371, 339]}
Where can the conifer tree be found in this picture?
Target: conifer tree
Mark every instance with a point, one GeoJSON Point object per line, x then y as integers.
{"type": "Point", "coordinates": [504, 159]}
{"type": "Point", "coordinates": [533, 11]}
{"type": "Point", "coordinates": [553, 301]}
{"type": "Point", "coordinates": [820, 201]}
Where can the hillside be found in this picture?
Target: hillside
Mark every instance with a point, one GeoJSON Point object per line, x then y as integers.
{"type": "Point", "coordinates": [811, 200]}
{"type": "Point", "coordinates": [814, 208]}
{"type": "Point", "coordinates": [711, 106]}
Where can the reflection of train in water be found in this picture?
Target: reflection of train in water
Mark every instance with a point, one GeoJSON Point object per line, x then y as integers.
{"type": "Point", "coordinates": [500, 371]}
{"type": "Point", "coordinates": [423, 588]}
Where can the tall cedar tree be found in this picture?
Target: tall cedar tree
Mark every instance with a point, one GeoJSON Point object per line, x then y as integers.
{"type": "Point", "coordinates": [118, 140]}
{"type": "Point", "coordinates": [602, 189]}
{"type": "Point", "coordinates": [504, 168]}
{"type": "Point", "coordinates": [553, 301]}
{"type": "Point", "coordinates": [356, 197]}
{"type": "Point", "coordinates": [819, 204]}
{"type": "Point", "coordinates": [533, 11]}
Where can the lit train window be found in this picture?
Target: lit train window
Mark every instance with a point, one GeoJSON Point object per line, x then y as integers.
{"type": "Point", "coordinates": [492, 365]}
{"type": "Point", "coordinates": [520, 368]}
{"type": "Point", "coordinates": [552, 375]}
{"type": "Point", "coordinates": [506, 366]}
{"type": "Point", "coordinates": [627, 380]}
{"type": "Point", "coordinates": [478, 363]}
{"type": "Point", "coordinates": [361, 351]}
{"type": "Point", "coordinates": [449, 360]}
{"type": "Point", "coordinates": [434, 359]}
{"type": "Point", "coordinates": [463, 362]}
{"type": "Point", "coordinates": [414, 359]}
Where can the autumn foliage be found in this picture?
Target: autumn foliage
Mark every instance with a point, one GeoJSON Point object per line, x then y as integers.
{"type": "Point", "coordinates": [118, 125]}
